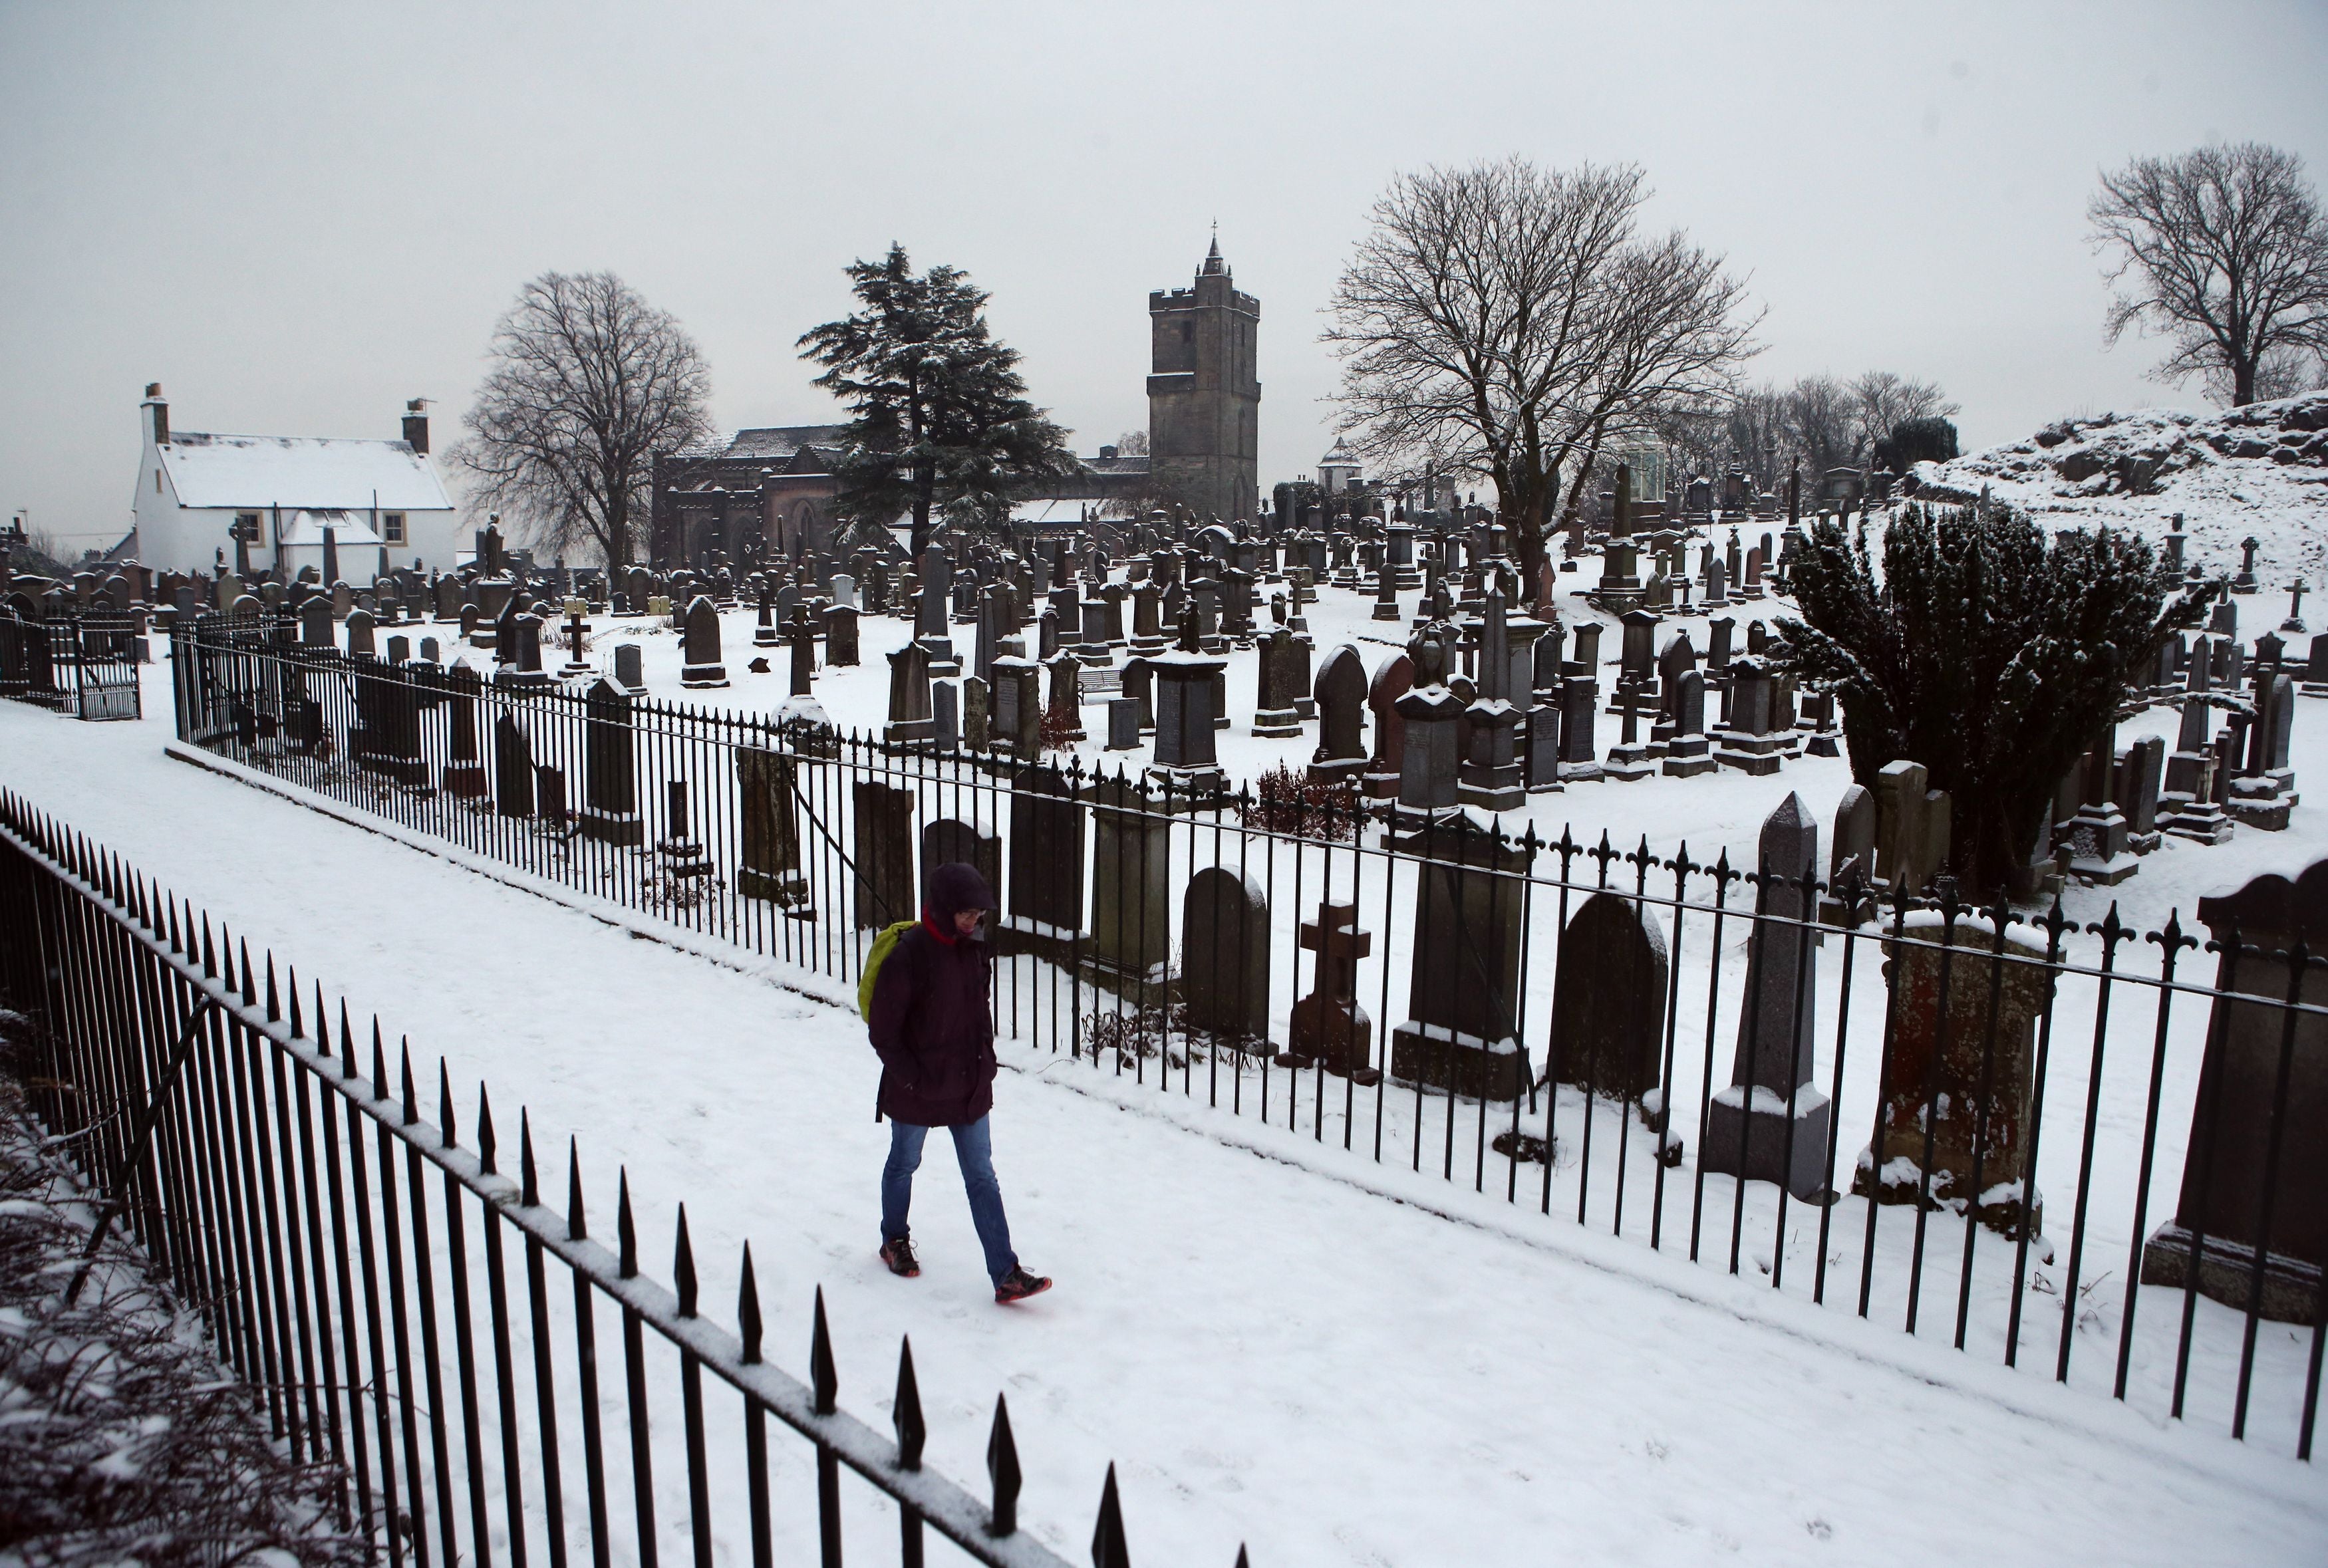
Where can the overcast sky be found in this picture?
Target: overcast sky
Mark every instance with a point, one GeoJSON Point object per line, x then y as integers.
{"type": "Point", "coordinates": [296, 217]}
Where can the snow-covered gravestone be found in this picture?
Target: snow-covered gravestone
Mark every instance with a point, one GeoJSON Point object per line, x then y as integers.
{"type": "Point", "coordinates": [1771, 1124]}
{"type": "Point", "coordinates": [699, 646]}
{"type": "Point", "coordinates": [1688, 752]}
{"type": "Point", "coordinates": [1853, 855]}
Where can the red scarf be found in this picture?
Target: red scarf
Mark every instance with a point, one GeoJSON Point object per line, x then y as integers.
{"type": "Point", "coordinates": [930, 924]}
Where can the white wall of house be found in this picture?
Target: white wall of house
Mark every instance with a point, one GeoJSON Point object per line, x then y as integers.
{"type": "Point", "coordinates": [191, 492]}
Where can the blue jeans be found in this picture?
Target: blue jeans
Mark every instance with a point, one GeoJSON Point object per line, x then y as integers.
{"type": "Point", "coordinates": [973, 1151]}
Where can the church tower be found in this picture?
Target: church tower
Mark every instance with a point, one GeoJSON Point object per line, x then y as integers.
{"type": "Point", "coordinates": [1204, 396]}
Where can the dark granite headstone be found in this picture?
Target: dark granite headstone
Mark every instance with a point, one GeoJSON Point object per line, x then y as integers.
{"type": "Point", "coordinates": [1224, 953]}
{"type": "Point", "coordinates": [883, 846]}
{"type": "Point", "coordinates": [2257, 1176]}
{"type": "Point", "coordinates": [1608, 999]}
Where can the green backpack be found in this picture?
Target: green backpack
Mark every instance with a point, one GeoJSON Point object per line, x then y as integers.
{"type": "Point", "coordinates": [884, 945]}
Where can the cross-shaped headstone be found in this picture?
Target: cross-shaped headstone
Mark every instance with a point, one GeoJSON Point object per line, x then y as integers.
{"type": "Point", "coordinates": [575, 629]}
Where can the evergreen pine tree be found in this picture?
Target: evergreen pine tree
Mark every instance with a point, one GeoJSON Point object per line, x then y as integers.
{"type": "Point", "coordinates": [1985, 651]}
{"type": "Point", "coordinates": [941, 426]}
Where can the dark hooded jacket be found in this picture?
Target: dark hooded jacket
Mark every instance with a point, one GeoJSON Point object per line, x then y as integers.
{"type": "Point", "coordinates": [930, 1022]}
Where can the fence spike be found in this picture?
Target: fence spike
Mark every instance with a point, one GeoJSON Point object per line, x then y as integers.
{"type": "Point", "coordinates": [484, 1130]}
{"type": "Point", "coordinates": [177, 942]}
{"type": "Point", "coordinates": [1242, 1561]}
{"type": "Point", "coordinates": [682, 1267]}
{"type": "Point", "coordinates": [274, 998]}
{"type": "Point", "coordinates": [411, 1098]}
{"type": "Point", "coordinates": [447, 1137]}
{"type": "Point", "coordinates": [626, 1233]}
{"type": "Point", "coordinates": [905, 1410]}
{"type": "Point", "coordinates": [249, 978]}
{"type": "Point", "coordinates": [378, 1063]}
{"type": "Point", "coordinates": [747, 1310]}
{"type": "Point", "coordinates": [209, 952]}
{"type": "Point", "coordinates": [1003, 1468]}
{"type": "Point", "coordinates": [298, 1022]}
{"type": "Point", "coordinates": [577, 1228]}
{"type": "Point", "coordinates": [1108, 1548]}
{"type": "Point", "coordinates": [529, 1189]}
{"type": "Point", "coordinates": [824, 1376]}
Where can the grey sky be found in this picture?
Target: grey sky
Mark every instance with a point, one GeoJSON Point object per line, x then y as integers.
{"type": "Point", "coordinates": [294, 216]}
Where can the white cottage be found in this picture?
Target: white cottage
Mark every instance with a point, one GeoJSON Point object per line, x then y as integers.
{"type": "Point", "coordinates": [381, 501]}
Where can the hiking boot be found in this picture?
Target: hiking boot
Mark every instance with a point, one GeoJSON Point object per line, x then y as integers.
{"type": "Point", "coordinates": [900, 1255]}
{"type": "Point", "coordinates": [1019, 1284]}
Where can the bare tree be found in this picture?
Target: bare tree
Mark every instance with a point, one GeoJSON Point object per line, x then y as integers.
{"type": "Point", "coordinates": [1131, 443]}
{"type": "Point", "coordinates": [588, 384]}
{"type": "Point", "coordinates": [2224, 251]}
{"type": "Point", "coordinates": [1883, 401]}
{"type": "Point", "coordinates": [1506, 321]}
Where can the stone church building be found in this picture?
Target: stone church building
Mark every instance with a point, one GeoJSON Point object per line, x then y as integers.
{"type": "Point", "coordinates": [770, 489]}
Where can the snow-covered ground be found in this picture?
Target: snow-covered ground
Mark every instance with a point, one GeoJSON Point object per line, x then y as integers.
{"type": "Point", "coordinates": [1271, 1350]}
{"type": "Point", "coordinates": [2259, 472]}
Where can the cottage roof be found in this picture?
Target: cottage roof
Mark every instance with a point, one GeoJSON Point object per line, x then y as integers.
{"type": "Point", "coordinates": [312, 472]}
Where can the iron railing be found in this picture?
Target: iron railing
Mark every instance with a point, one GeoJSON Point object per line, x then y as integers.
{"type": "Point", "coordinates": [1571, 1022]}
{"type": "Point", "coordinates": [403, 1310]}
{"type": "Point", "coordinates": [84, 664]}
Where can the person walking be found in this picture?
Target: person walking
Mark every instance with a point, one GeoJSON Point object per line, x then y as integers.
{"type": "Point", "coordinates": [931, 1029]}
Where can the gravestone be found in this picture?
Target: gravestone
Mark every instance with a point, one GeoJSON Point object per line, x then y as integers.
{"type": "Point", "coordinates": [1186, 763]}
{"type": "Point", "coordinates": [1341, 697]}
{"type": "Point", "coordinates": [1608, 999]}
{"type": "Point", "coordinates": [1771, 1124]}
{"type": "Point", "coordinates": [700, 647]}
{"type": "Point", "coordinates": [1329, 1027]}
{"type": "Point", "coordinates": [883, 849]}
{"type": "Point", "coordinates": [840, 635]}
{"type": "Point", "coordinates": [1018, 721]}
{"type": "Point", "coordinates": [2257, 1176]}
{"type": "Point", "coordinates": [1065, 714]}
{"type": "Point", "coordinates": [1046, 846]}
{"type": "Point", "coordinates": [1392, 680]}
{"type": "Point", "coordinates": [1942, 1056]}
{"type": "Point", "coordinates": [975, 711]}
{"type": "Point", "coordinates": [950, 841]}
{"type": "Point", "coordinates": [946, 715]}
{"type": "Point", "coordinates": [1688, 752]}
{"type": "Point", "coordinates": [909, 697]}
{"type": "Point", "coordinates": [1274, 712]}
{"type": "Point", "coordinates": [512, 769]}
{"type": "Point", "coordinates": [1911, 827]}
{"type": "Point", "coordinates": [1854, 850]}
{"type": "Point", "coordinates": [1131, 949]}
{"type": "Point", "coordinates": [465, 773]}
{"type": "Point", "coordinates": [770, 856]}
{"type": "Point", "coordinates": [1463, 984]}
{"type": "Point", "coordinates": [630, 668]}
{"type": "Point", "coordinates": [610, 788]}
{"type": "Point", "coordinates": [1224, 953]}
{"type": "Point", "coordinates": [1123, 724]}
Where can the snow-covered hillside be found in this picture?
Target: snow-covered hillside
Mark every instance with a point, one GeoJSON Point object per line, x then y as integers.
{"type": "Point", "coordinates": [2260, 470]}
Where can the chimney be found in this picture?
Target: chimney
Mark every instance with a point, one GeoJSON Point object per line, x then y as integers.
{"type": "Point", "coordinates": [161, 413]}
{"type": "Point", "coordinates": [415, 424]}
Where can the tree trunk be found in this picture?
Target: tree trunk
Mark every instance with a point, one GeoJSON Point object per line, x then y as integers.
{"type": "Point", "coordinates": [2243, 380]}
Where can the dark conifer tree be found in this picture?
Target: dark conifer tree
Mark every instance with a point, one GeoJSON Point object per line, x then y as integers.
{"type": "Point", "coordinates": [1984, 650]}
{"type": "Point", "coordinates": [941, 426]}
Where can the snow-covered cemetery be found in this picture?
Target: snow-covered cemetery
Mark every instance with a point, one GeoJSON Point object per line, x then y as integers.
{"type": "Point", "coordinates": [1665, 956]}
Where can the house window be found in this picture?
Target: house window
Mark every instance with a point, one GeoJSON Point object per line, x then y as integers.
{"type": "Point", "coordinates": [391, 527]}
{"type": "Point", "coordinates": [245, 526]}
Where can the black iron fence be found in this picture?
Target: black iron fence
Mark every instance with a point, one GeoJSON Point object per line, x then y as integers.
{"type": "Point", "coordinates": [2089, 1145]}
{"type": "Point", "coordinates": [82, 664]}
{"type": "Point", "coordinates": [404, 1311]}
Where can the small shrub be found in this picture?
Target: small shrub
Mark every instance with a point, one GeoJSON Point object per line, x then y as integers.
{"type": "Point", "coordinates": [1286, 801]}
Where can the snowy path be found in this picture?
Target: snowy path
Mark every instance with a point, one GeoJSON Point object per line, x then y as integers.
{"type": "Point", "coordinates": [1271, 1352]}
